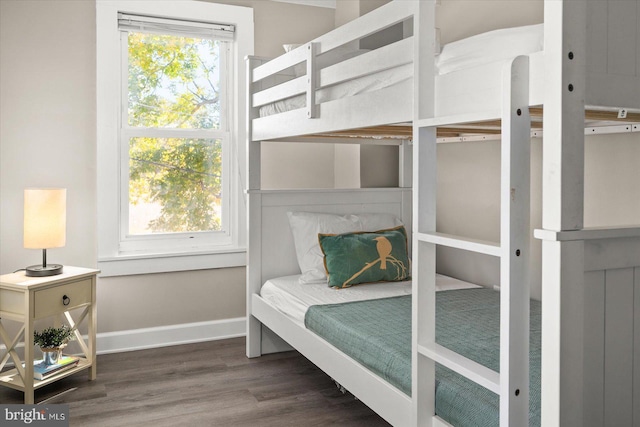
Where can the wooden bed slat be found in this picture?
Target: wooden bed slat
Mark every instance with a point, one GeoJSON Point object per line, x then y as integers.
{"type": "Point", "coordinates": [489, 127]}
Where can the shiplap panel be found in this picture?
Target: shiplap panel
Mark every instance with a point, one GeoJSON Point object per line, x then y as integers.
{"type": "Point", "coordinates": [594, 298]}
{"type": "Point", "coordinates": [622, 37]}
{"type": "Point", "coordinates": [618, 387]}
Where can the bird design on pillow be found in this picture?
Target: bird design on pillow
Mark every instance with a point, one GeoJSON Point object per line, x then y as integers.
{"type": "Point", "coordinates": [384, 249]}
{"type": "Point", "coordinates": [383, 246]}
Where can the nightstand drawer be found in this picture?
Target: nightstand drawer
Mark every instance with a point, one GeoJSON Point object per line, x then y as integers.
{"type": "Point", "coordinates": [61, 298]}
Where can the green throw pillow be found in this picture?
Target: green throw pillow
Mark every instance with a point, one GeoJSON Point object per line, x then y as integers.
{"type": "Point", "coordinates": [364, 257]}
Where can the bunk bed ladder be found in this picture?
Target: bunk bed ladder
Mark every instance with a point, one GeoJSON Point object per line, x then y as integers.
{"type": "Point", "coordinates": [512, 383]}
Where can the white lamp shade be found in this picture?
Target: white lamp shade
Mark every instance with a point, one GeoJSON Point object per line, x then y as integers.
{"type": "Point", "coordinates": [45, 217]}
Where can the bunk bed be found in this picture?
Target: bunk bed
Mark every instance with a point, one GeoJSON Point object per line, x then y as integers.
{"type": "Point", "coordinates": [590, 344]}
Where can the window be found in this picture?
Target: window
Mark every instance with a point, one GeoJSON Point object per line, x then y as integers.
{"type": "Point", "coordinates": [169, 161]}
{"type": "Point", "coordinates": [174, 133]}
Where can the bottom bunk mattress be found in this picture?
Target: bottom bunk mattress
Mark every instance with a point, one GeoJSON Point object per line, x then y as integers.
{"type": "Point", "coordinates": [377, 333]}
{"type": "Point", "coordinates": [289, 296]}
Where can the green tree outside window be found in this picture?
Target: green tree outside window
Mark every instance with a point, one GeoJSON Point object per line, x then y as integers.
{"type": "Point", "coordinates": [174, 82]}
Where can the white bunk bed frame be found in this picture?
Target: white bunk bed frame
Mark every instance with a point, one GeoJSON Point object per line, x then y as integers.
{"type": "Point", "coordinates": [591, 277]}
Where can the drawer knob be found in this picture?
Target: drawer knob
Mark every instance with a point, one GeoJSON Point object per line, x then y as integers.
{"type": "Point", "coordinates": [65, 300]}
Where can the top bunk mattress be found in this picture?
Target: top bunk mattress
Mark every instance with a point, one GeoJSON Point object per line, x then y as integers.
{"type": "Point", "coordinates": [292, 298]}
{"type": "Point", "coordinates": [489, 47]}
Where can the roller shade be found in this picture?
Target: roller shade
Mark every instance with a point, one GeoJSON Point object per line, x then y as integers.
{"type": "Point", "coordinates": [148, 24]}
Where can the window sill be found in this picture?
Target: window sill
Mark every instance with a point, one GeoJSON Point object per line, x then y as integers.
{"type": "Point", "coordinates": [127, 265]}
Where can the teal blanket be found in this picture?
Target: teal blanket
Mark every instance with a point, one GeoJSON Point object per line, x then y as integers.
{"type": "Point", "coordinates": [377, 333]}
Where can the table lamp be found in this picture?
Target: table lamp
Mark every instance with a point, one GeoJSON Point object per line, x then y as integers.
{"type": "Point", "coordinates": [45, 221]}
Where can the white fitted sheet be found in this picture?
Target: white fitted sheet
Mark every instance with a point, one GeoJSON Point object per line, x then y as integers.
{"type": "Point", "coordinates": [292, 298]}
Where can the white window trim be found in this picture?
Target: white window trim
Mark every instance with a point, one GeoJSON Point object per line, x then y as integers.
{"type": "Point", "coordinates": [110, 260]}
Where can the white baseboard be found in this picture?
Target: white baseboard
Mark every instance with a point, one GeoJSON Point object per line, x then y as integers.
{"type": "Point", "coordinates": [163, 336]}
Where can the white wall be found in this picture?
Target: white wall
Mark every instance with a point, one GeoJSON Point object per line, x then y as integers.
{"type": "Point", "coordinates": [48, 138]}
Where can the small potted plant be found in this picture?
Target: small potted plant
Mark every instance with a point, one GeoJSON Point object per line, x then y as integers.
{"type": "Point", "coordinates": [51, 341]}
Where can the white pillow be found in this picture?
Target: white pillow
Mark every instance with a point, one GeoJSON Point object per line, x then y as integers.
{"type": "Point", "coordinates": [306, 226]}
{"type": "Point", "coordinates": [490, 47]}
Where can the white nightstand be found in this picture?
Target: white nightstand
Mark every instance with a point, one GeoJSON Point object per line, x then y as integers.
{"type": "Point", "coordinates": [24, 299]}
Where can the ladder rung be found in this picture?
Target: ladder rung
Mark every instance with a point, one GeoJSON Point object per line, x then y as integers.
{"type": "Point", "coordinates": [474, 371]}
{"type": "Point", "coordinates": [473, 245]}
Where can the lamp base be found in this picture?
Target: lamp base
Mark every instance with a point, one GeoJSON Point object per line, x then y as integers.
{"type": "Point", "coordinates": [43, 271]}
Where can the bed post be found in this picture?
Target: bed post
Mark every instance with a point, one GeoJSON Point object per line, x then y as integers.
{"type": "Point", "coordinates": [515, 228]}
{"type": "Point", "coordinates": [424, 215]}
{"type": "Point", "coordinates": [254, 206]}
{"type": "Point", "coordinates": [563, 210]}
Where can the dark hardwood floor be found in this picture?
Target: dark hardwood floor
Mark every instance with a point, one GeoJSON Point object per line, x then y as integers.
{"type": "Point", "coordinates": [204, 384]}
